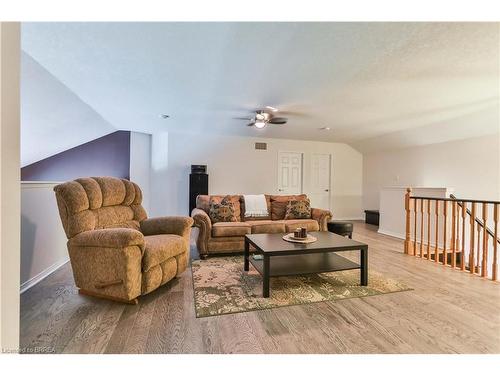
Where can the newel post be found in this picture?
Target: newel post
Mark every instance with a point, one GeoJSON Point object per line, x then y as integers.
{"type": "Point", "coordinates": [407, 231]}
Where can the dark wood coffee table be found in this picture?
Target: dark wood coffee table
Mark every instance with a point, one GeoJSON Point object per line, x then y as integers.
{"type": "Point", "coordinates": [283, 258]}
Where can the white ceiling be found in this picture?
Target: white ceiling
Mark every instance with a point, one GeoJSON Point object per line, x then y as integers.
{"type": "Point", "coordinates": [376, 85]}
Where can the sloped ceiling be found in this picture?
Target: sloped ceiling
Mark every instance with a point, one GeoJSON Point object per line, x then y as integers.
{"type": "Point", "coordinates": [376, 85]}
{"type": "Point", "coordinates": [53, 118]}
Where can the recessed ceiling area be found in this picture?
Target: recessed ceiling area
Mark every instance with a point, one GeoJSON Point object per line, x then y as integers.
{"type": "Point", "coordinates": [375, 85]}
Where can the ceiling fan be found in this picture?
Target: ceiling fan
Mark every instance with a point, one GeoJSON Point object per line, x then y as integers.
{"type": "Point", "coordinates": [262, 117]}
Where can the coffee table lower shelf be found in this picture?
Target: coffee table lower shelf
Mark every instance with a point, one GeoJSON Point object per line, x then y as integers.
{"type": "Point", "coordinates": [290, 265]}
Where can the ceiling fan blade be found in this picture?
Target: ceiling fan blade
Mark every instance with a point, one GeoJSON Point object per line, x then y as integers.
{"type": "Point", "coordinates": [242, 118]}
{"type": "Point", "coordinates": [251, 124]}
{"type": "Point", "coordinates": [294, 113]}
{"type": "Point", "coordinates": [295, 109]}
{"type": "Point", "coordinates": [278, 120]}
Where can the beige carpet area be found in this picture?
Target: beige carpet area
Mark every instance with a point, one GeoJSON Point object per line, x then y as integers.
{"type": "Point", "coordinates": [222, 287]}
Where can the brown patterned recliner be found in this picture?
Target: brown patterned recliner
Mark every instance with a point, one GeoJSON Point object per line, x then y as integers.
{"type": "Point", "coordinates": [116, 252]}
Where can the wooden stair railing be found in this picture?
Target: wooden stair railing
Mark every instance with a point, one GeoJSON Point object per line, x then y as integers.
{"type": "Point", "coordinates": [478, 221]}
{"type": "Point", "coordinates": [442, 236]}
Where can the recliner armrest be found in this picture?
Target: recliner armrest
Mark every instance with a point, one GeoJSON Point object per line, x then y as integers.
{"type": "Point", "coordinates": [109, 237]}
{"type": "Point", "coordinates": [180, 225]}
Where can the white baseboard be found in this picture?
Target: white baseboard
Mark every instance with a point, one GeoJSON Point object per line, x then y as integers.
{"type": "Point", "coordinates": [392, 234]}
{"type": "Point", "coordinates": [42, 275]}
{"type": "Point", "coordinates": [401, 236]}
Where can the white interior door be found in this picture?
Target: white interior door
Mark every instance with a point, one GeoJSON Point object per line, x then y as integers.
{"type": "Point", "coordinates": [289, 172]}
{"type": "Point", "coordinates": [320, 181]}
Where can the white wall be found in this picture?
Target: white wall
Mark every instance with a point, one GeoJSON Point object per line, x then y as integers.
{"type": "Point", "coordinates": [140, 164]}
{"type": "Point", "coordinates": [160, 182]}
{"type": "Point", "coordinates": [9, 185]}
{"type": "Point", "coordinates": [234, 166]}
{"type": "Point", "coordinates": [43, 241]}
{"type": "Point", "coordinates": [471, 167]}
{"type": "Point", "coordinates": [393, 213]}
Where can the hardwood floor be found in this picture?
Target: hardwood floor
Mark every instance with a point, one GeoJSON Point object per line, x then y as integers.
{"type": "Point", "coordinates": [447, 312]}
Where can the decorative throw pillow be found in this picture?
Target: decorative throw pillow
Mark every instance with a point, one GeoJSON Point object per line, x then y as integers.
{"type": "Point", "coordinates": [222, 212]}
{"type": "Point", "coordinates": [234, 199]}
{"type": "Point", "coordinates": [298, 209]}
{"type": "Point", "coordinates": [279, 204]}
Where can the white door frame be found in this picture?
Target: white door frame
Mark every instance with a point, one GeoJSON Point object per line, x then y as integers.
{"type": "Point", "coordinates": [301, 170]}
{"type": "Point", "coordinates": [10, 188]}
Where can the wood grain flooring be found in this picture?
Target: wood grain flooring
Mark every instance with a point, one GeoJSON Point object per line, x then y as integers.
{"type": "Point", "coordinates": [447, 312]}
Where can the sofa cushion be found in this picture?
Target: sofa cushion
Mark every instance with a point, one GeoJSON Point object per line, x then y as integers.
{"type": "Point", "coordinates": [298, 209]}
{"type": "Point", "coordinates": [230, 229]}
{"type": "Point", "coordinates": [279, 204]}
{"type": "Point", "coordinates": [310, 224]}
{"type": "Point", "coordinates": [222, 212]}
{"type": "Point", "coordinates": [267, 226]}
{"type": "Point", "coordinates": [159, 248]}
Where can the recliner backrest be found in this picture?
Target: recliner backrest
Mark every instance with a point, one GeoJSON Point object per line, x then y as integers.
{"type": "Point", "coordinates": [99, 202]}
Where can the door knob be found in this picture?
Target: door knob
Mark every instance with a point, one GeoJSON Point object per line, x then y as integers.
{"type": "Point", "coordinates": [327, 190]}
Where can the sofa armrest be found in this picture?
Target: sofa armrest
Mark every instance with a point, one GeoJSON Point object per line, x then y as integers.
{"type": "Point", "coordinates": [180, 225]}
{"type": "Point", "coordinates": [110, 237]}
{"type": "Point", "coordinates": [322, 217]}
{"type": "Point", "coordinates": [204, 224]}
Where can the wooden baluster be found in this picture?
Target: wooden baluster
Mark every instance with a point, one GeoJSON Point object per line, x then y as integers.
{"type": "Point", "coordinates": [453, 234]}
{"type": "Point", "coordinates": [408, 230]}
{"type": "Point", "coordinates": [462, 256]}
{"type": "Point", "coordinates": [484, 263]}
{"type": "Point", "coordinates": [472, 234]}
{"type": "Point", "coordinates": [478, 247]}
{"type": "Point", "coordinates": [445, 232]}
{"type": "Point", "coordinates": [421, 228]}
{"type": "Point", "coordinates": [428, 229]}
{"type": "Point", "coordinates": [495, 243]}
{"type": "Point", "coordinates": [415, 227]}
{"type": "Point", "coordinates": [436, 250]}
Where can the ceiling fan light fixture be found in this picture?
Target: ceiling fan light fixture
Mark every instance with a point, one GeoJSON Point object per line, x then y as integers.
{"type": "Point", "coordinates": [260, 124]}
{"type": "Point", "coordinates": [261, 116]}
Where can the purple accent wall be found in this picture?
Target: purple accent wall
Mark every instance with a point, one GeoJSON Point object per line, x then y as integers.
{"type": "Point", "coordinates": [105, 156]}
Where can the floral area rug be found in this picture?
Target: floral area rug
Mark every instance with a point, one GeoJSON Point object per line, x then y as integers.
{"type": "Point", "coordinates": [222, 287]}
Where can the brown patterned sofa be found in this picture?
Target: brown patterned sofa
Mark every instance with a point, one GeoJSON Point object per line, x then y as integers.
{"type": "Point", "coordinates": [116, 252]}
{"type": "Point", "coordinates": [228, 237]}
